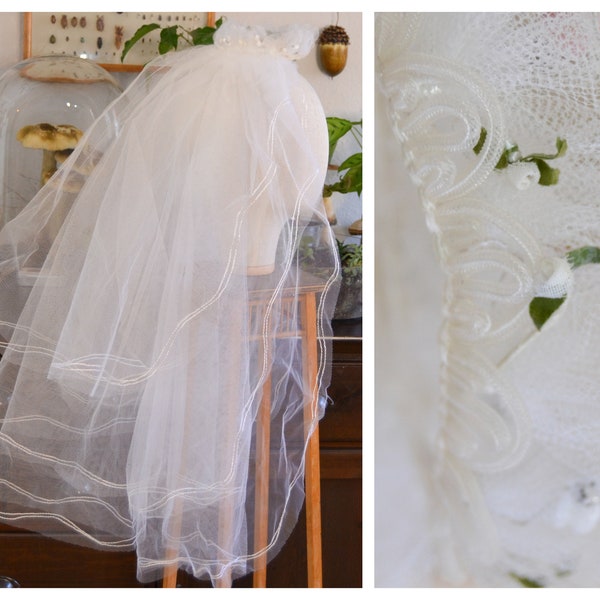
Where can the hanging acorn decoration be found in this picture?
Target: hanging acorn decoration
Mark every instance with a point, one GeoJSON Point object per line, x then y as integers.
{"type": "Point", "coordinates": [333, 49]}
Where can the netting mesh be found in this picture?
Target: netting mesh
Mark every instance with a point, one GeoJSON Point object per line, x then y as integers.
{"type": "Point", "coordinates": [517, 449]}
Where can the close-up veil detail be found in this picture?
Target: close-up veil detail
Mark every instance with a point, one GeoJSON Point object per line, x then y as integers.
{"type": "Point", "coordinates": [149, 291]}
{"type": "Point", "coordinates": [495, 118]}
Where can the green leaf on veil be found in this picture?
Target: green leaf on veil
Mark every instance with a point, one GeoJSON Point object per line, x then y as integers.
{"type": "Point", "coordinates": [526, 581]}
{"type": "Point", "coordinates": [481, 141]}
{"type": "Point", "coordinates": [586, 255]}
{"type": "Point", "coordinates": [541, 309]}
{"type": "Point", "coordinates": [511, 155]}
{"type": "Point", "coordinates": [561, 149]}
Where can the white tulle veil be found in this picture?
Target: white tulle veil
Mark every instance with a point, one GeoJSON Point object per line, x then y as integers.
{"type": "Point", "coordinates": [486, 106]}
{"type": "Point", "coordinates": [147, 292]}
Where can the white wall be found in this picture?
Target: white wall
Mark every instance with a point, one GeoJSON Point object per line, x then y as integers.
{"type": "Point", "coordinates": [11, 34]}
{"type": "Point", "coordinates": [341, 96]}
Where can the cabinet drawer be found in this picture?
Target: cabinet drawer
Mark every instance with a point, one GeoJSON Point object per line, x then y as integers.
{"type": "Point", "coordinates": [37, 561]}
{"type": "Point", "coordinates": [342, 423]}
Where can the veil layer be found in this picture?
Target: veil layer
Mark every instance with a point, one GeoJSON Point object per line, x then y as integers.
{"type": "Point", "coordinates": [480, 103]}
{"type": "Point", "coordinates": [141, 328]}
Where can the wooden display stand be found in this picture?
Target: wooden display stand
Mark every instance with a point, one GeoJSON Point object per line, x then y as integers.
{"type": "Point", "coordinates": [306, 330]}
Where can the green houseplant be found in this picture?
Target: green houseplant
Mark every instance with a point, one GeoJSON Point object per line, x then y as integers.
{"type": "Point", "coordinates": [349, 180]}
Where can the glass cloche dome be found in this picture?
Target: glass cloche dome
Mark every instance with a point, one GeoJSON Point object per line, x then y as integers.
{"type": "Point", "coordinates": [46, 104]}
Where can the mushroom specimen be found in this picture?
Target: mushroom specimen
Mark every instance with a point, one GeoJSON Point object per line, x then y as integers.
{"type": "Point", "coordinates": [79, 170]}
{"type": "Point", "coordinates": [50, 139]}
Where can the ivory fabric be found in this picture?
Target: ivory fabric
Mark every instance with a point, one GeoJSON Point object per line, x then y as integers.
{"type": "Point", "coordinates": [513, 472]}
{"type": "Point", "coordinates": [136, 352]}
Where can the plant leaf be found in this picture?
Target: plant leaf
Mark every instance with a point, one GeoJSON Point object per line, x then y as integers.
{"type": "Point", "coordinates": [561, 149]}
{"type": "Point", "coordinates": [561, 146]}
{"type": "Point", "coordinates": [352, 161]}
{"type": "Point", "coordinates": [541, 309]}
{"type": "Point", "coordinates": [504, 161]}
{"type": "Point", "coordinates": [584, 256]}
{"type": "Point", "coordinates": [137, 36]}
{"type": "Point", "coordinates": [168, 39]}
{"type": "Point", "coordinates": [479, 145]}
{"type": "Point", "coordinates": [548, 175]}
{"type": "Point", "coordinates": [351, 180]}
{"type": "Point", "coordinates": [337, 128]}
{"type": "Point", "coordinates": [350, 254]}
{"type": "Point", "coordinates": [526, 581]}
{"type": "Point", "coordinates": [204, 36]}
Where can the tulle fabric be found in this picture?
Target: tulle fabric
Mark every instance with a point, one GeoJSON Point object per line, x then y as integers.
{"type": "Point", "coordinates": [515, 469]}
{"type": "Point", "coordinates": [147, 292]}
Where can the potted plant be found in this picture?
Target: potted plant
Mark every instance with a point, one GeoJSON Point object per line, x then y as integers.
{"type": "Point", "coordinates": [349, 302]}
{"type": "Point", "coordinates": [349, 180]}
{"type": "Point", "coordinates": [350, 170]}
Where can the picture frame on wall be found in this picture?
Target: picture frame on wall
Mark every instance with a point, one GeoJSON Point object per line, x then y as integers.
{"type": "Point", "coordinates": [100, 36]}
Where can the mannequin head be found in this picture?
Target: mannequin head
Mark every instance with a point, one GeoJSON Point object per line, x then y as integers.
{"type": "Point", "coordinates": [295, 190]}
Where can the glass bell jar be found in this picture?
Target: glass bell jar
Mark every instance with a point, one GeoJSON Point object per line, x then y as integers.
{"type": "Point", "coordinates": [46, 105]}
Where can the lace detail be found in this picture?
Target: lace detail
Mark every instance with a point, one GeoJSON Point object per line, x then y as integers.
{"type": "Point", "coordinates": [293, 41]}
{"type": "Point", "coordinates": [438, 111]}
{"type": "Point", "coordinates": [511, 396]}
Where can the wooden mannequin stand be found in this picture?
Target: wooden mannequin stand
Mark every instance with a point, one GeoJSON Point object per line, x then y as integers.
{"type": "Point", "coordinates": [306, 329]}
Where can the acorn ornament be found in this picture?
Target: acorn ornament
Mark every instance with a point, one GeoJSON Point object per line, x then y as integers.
{"type": "Point", "coordinates": [333, 49]}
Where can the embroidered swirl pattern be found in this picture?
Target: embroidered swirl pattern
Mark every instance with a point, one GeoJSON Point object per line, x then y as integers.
{"type": "Point", "coordinates": [494, 266]}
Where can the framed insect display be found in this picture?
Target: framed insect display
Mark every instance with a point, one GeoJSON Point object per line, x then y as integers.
{"type": "Point", "coordinates": [101, 36]}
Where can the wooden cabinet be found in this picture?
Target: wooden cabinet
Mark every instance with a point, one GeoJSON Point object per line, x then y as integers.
{"type": "Point", "coordinates": [37, 561]}
{"type": "Point", "coordinates": [341, 464]}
